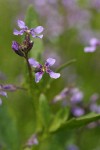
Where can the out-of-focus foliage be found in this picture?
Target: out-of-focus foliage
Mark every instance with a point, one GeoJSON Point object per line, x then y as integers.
{"type": "Point", "coordinates": [68, 27]}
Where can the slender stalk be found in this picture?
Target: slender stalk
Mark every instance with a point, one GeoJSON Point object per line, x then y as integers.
{"type": "Point", "coordinates": [29, 68]}
{"type": "Point", "coordinates": [34, 92]}
{"type": "Point", "coordinates": [32, 87]}
{"type": "Point", "coordinates": [66, 65]}
{"type": "Point", "coordinates": [59, 70]}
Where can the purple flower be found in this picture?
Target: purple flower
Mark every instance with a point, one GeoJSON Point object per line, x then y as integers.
{"type": "Point", "coordinates": [78, 111]}
{"type": "Point", "coordinates": [95, 108]}
{"type": "Point", "coordinates": [77, 95]}
{"type": "Point", "coordinates": [94, 98]}
{"type": "Point", "coordinates": [93, 44]}
{"type": "Point", "coordinates": [35, 32]}
{"type": "Point", "coordinates": [40, 69]}
{"type": "Point", "coordinates": [62, 95]}
{"type": "Point", "coordinates": [16, 47]}
{"type": "Point", "coordinates": [72, 147]}
{"type": "Point", "coordinates": [32, 140]}
{"type": "Point", "coordinates": [2, 92]}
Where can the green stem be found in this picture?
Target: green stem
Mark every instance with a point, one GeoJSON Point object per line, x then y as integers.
{"type": "Point", "coordinates": [59, 70]}
{"type": "Point", "coordinates": [34, 92]}
{"type": "Point", "coordinates": [65, 65]}
{"type": "Point", "coordinates": [32, 87]}
{"type": "Point", "coordinates": [29, 68]}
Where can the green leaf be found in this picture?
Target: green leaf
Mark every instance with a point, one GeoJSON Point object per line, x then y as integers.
{"type": "Point", "coordinates": [59, 118]}
{"type": "Point", "coordinates": [65, 65]}
{"type": "Point", "coordinates": [78, 122]}
{"type": "Point", "coordinates": [9, 138]}
{"type": "Point", "coordinates": [44, 111]}
{"type": "Point", "coordinates": [31, 17]}
{"type": "Point", "coordinates": [32, 22]}
{"type": "Point", "coordinates": [27, 148]}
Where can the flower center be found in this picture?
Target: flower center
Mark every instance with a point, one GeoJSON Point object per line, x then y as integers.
{"type": "Point", "coordinates": [28, 31]}
{"type": "Point", "coordinates": [44, 68]}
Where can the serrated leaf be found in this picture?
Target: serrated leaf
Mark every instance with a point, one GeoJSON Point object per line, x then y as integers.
{"type": "Point", "coordinates": [78, 122]}
{"type": "Point", "coordinates": [60, 118]}
{"type": "Point", "coordinates": [44, 111]}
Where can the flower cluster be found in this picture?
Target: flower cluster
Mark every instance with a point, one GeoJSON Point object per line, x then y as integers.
{"type": "Point", "coordinates": [71, 97]}
{"type": "Point", "coordinates": [94, 42]}
{"type": "Point", "coordinates": [26, 46]}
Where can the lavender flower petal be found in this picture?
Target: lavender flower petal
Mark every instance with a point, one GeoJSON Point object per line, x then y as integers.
{"type": "Point", "coordinates": [78, 111]}
{"type": "Point", "coordinates": [38, 76]}
{"type": "Point", "coordinates": [21, 24]}
{"type": "Point", "coordinates": [33, 62]}
{"type": "Point", "coordinates": [77, 95]}
{"type": "Point", "coordinates": [40, 36]}
{"type": "Point", "coordinates": [0, 101]}
{"type": "Point", "coordinates": [95, 108]}
{"type": "Point", "coordinates": [61, 96]}
{"type": "Point", "coordinates": [3, 93]}
{"type": "Point", "coordinates": [35, 31]}
{"type": "Point", "coordinates": [15, 46]}
{"type": "Point", "coordinates": [36, 36]}
{"type": "Point", "coordinates": [53, 74]}
{"type": "Point", "coordinates": [32, 140]}
{"type": "Point", "coordinates": [93, 41]}
{"type": "Point", "coordinates": [16, 32]}
{"type": "Point", "coordinates": [50, 62]}
{"type": "Point", "coordinates": [89, 49]}
{"type": "Point", "coordinates": [38, 29]}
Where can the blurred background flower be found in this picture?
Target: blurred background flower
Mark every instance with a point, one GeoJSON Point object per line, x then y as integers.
{"type": "Point", "coordinates": [69, 25]}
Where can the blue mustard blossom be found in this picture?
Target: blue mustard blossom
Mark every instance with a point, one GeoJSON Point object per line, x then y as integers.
{"type": "Point", "coordinates": [43, 68]}
{"type": "Point", "coordinates": [75, 102]}
{"type": "Point", "coordinates": [93, 43]}
{"type": "Point", "coordinates": [35, 32]}
{"type": "Point", "coordinates": [77, 111]}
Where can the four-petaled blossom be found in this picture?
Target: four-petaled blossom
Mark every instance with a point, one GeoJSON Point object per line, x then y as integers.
{"type": "Point", "coordinates": [35, 32]}
{"type": "Point", "coordinates": [43, 68]}
{"type": "Point", "coordinates": [94, 42]}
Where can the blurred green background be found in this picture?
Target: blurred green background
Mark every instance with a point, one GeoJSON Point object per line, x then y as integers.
{"type": "Point", "coordinates": [68, 28]}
